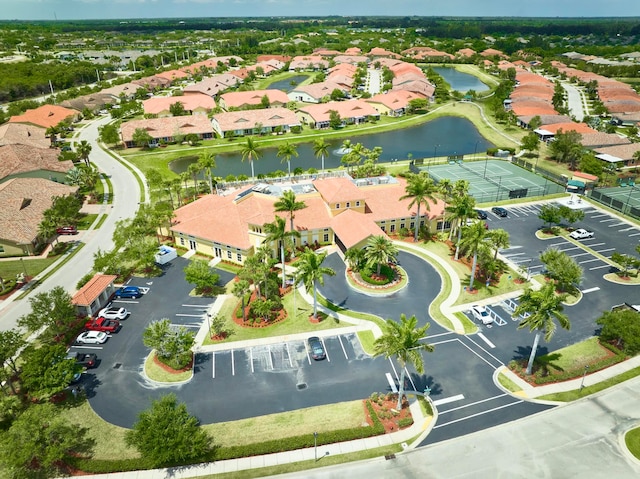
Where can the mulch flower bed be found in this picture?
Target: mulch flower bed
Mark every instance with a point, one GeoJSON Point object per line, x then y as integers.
{"type": "Point", "coordinates": [384, 408]}
{"type": "Point", "coordinates": [258, 323]}
{"type": "Point", "coordinates": [169, 369]}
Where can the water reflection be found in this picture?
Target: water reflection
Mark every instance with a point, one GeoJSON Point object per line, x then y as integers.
{"type": "Point", "coordinates": [459, 81]}
{"type": "Point", "coordinates": [441, 137]}
{"type": "Point", "coordinates": [287, 84]}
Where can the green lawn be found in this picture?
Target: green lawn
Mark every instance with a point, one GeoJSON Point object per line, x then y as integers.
{"type": "Point", "coordinates": [86, 220]}
{"type": "Point", "coordinates": [508, 384]}
{"type": "Point", "coordinates": [574, 357]}
{"type": "Point", "coordinates": [632, 440]}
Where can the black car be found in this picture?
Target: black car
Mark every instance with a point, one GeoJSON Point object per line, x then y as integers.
{"type": "Point", "coordinates": [482, 215]}
{"type": "Point", "coordinates": [86, 360]}
{"type": "Point", "coordinates": [317, 348]}
{"type": "Point", "coordinates": [501, 212]}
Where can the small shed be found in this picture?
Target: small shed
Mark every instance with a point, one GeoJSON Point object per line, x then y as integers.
{"type": "Point", "coordinates": [94, 295]}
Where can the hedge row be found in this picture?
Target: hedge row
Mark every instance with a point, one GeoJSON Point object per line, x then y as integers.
{"type": "Point", "coordinates": [248, 450]}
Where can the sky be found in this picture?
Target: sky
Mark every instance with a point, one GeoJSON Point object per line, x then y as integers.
{"type": "Point", "coordinates": [125, 9]}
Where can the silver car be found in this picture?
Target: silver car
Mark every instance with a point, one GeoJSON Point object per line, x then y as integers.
{"type": "Point", "coordinates": [481, 314]}
{"type": "Point", "coordinates": [113, 313]}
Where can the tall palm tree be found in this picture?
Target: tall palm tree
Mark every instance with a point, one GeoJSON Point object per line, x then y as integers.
{"type": "Point", "coordinates": [84, 149]}
{"type": "Point", "coordinates": [289, 203]}
{"type": "Point", "coordinates": [355, 258]}
{"type": "Point", "coordinates": [240, 290]}
{"type": "Point", "coordinates": [285, 152]}
{"type": "Point", "coordinates": [176, 187]}
{"type": "Point", "coordinates": [52, 132]}
{"type": "Point", "coordinates": [250, 151]}
{"type": "Point", "coordinates": [403, 341]}
{"type": "Point", "coordinates": [277, 233]}
{"type": "Point", "coordinates": [499, 238]}
{"type": "Point", "coordinates": [321, 149]}
{"type": "Point", "coordinates": [445, 188]}
{"type": "Point", "coordinates": [421, 190]}
{"type": "Point", "coordinates": [207, 162]}
{"type": "Point", "coordinates": [194, 171]}
{"type": "Point", "coordinates": [311, 272]}
{"type": "Point", "coordinates": [543, 306]}
{"type": "Point", "coordinates": [473, 238]}
{"type": "Point", "coordinates": [379, 250]}
{"type": "Point", "coordinates": [460, 210]}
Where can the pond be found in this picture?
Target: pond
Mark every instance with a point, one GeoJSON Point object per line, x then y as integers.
{"type": "Point", "coordinates": [287, 84]}
{"type": "Point", "coordinates": [459, 81]}
{"type": "Point", "coordinates": [441, 137]}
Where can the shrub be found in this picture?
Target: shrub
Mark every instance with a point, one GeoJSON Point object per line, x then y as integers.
{"type": "Point", "coordinates": [405, 422]}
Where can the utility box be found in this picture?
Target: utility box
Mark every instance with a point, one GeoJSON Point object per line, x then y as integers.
{"type": "Point", "coordinates": [165, 254]}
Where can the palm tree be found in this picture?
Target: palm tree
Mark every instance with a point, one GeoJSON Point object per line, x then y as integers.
{"type": "Point", "coordinates": [321, 149]}
{"type": "Point", "coordinates": [207, 162]}
{"type": "Point", "coordinates": [184, 177]}
{"type": "Point", "coordinates": [277, 233]}
{"type": "Point", "coordinates": [473, 238]}
{"type": "Point", "coordinates": [288, 202]}
{"type": "Point", "coordinates": [311, 272]}
{"type": "Point", "coordinates": [421, 190]}
{"type": "Point", "coordinates": [461, 209]}
{"type": "Point", "coordinates": [499, 239]}
{"type": "Point", "coordinates": [52, 132]}
{"type": "Point", "coordinates": [240, 290]}
{"type": "Point", "coordinates": [285, 152]}
{"type": "Point", "coordinates": [194, 170]}
{"type": "Point", "coordinates": [403, 341]}
{"type": "Point", "coordinates": [250, 151]}
{"type": "Point", "coordinates": [355, 258]}
{"type": "Point", "coordinates": [379, 250]}
{"type": "Point", "coordinates": [83, 149]}
{"type": "Point", "coordinates": [445, 188]}
{"type": "Point", "coordinates": [542, 307]}
{"type": "Point", "coordinates": [176, 187]}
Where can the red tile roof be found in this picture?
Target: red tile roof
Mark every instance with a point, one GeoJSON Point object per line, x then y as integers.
{"type": "Point", "coordinates": [248, 119]}
{"type": "Point", "coordinates": [17, 159]}
{"type": "Point", "coordinates": [93, 289]}
{"type": "Point", "coordinates": [191, 102]}
{"type": "Point", "coordinates": [352, 227]}
{"type": "Point", "coordinates": [242, 99]}
{"type": "Point", "coordinates": [346, 109]}
{"type": "Point", "coordinates": [167, 127]}
{"type": "Point", "coordinates": [24, 134]}
{"type": "Point", "coordinates": [45, 116]}
{"type": "Point", "coordinates": [338, 190]}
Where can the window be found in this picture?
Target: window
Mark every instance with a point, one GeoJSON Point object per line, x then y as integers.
{"type": "Point", "coordinates": [348, 205]}
{"type": "Point", "coordinates": [217, 252]}
{"type": "Point", "coordinates": [392, 228]}
{"type": "Point", "coordinates": [229, 254]}
{"type": "Point", "coordinates": [401, 225]}
{"type": "Point", "coordinates": [239, 257]}
{"type": "Point", "coordinates": [326, 238]}
{"type": "Point", "coordinates": [382, 228]}
{"type": "Point", "coordinates": [1, 249]}
{"type": "Point", "coordinates": [357, 203]}
{"type": "Point", "coordinates": [181, 241]}
{"type": "Point", "coordinates": [337, 206]}
{"type": "Point", "coordinates": [413, 225]}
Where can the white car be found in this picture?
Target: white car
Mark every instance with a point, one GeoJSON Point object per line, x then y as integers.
{"type": "Point", "coordinates": [481, 314]}
{"type": "Point", "coordinates": [92, 337]}
{"type": "Point", "coordinates": [113, 313]}
{"type": "Point", "coordinates": [581, 233]}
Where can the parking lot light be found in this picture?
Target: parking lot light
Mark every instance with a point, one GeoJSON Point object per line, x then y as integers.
{"type": "Point", "coordinates": [315, 445]}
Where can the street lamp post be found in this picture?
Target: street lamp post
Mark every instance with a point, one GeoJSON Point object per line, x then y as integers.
{"type": "Point", "coordinates": [586, 368]}
{"type": "Point", "coordinates": [498, 192]}
{"type": "Point", "coordinates": [315, 446]}
{"type": "Point", "coordinates": [486, 160]}
{"type": "Point", "coordinates": [475, 149]}
{"type": "Point", "coordinates": [435, 151]}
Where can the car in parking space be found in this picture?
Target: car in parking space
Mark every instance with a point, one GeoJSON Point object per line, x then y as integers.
{"type": "Point", "coordinates": [86, 360]}
{"type": "Point", "coordinates": [67, 230]}
{"type": "Point", "coordinates": [581, 233]}
{"type": "Point", "coordinates": [113, 313]}
{"type": "Point", "coordinates": [481, 314]}
{"type": "Point", "coordinates": [92, 337]}
{"type": "Point", "coordinates": [129, 292]}
{"type": "Point", "coordinates": [499, 211]}
{"type": "Point", "coordinates": [102, 324]}
{"type": "Point", "coordinates": [481, 214]}
{"type": "Point", "coordinates": [317, 348]}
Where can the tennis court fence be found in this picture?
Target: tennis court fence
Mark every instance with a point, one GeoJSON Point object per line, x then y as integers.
{"type": "Point", "coordinates": [623, 207]}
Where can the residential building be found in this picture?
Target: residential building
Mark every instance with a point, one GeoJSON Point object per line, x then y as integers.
{"type": "Point", "coordinates": [165, 129]}
{"type": "Point", "coordinates": [252, 99]}
{"type": "Point", "coordinates": [251, 122]}
{"type": "Point", "coordinates": [309, 62]}
{"type": "Point", "coordinates": [193, 104]}
{"type": "Point", "coordinates": [213, 85]}
{"type": "Point", "coordinates": [24, 201]}
{"type": "Point", "coordinates": [24, 134]}
{"type": "Point", "coordinates": [26, 161]}
{"type": "Point", "coordinates": [393, 103]}
{"type": "Point", "coordinates": [315, 92]}
{"type": "Point", "coordinates": [351, 112]}
{"type": "Point", "coordinates": [46, 116]}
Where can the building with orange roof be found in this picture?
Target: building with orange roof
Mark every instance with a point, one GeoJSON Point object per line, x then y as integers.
{"type": "Point", "coordinates": [212, 86]}
{"type": "Point", "coordinates": [252, 122]}
{"type": "Point", "coordinates": [46, 116]}
{"type": "Point", "coordinates": [352, 112]}
{"type": "Point", "coordinates": [26, 161]}
{"type": "Point", "coordinates": [492, 52]}
{"type": "Point", "coordinates": [465, 52]}
{"type": "Point", "coordinates": [252, 99]}
{"type": "Point", "coordinates": [315, 92]}
{"type": "Point", "coordinates": [173, 75]}
{"type": "Point", "coordinates": [165, 129]}
{"type": "Point", "coordinates": [211, 63]}
{"type": "Point", "coordinates": [338, 210]}
{"type": "Point", "coordinates": [193, 104]}
{"type": "Point", "coordinates": [24, 134]}
{"type": "Point", "coordinates": [352, 51]}
{"type": "Point", "coordinates": [394, 102]}
{"type": "Point", "coordinates": [381, 52]}
{"type": "Point", "coordinates": [548, 132]}
{"type": "Point", "coordinates": [94, 295]}
{"type": "Point", "coordinates": [281, 58]}
{"type": "Point", "coordinates": [308, 62]}
{"type": "Point", "coordinates": [350, 59]}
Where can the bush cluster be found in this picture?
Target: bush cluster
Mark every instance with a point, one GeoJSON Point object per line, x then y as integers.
{"type": "Point", "coordinates": [386, 271]}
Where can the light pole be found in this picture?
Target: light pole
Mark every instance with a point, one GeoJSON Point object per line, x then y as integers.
{"type": "Point", "coordinates": [498, 192]}
{"type": "Point", "coordinates": [24, 268]}
{"type": "Point", "coordinates": [315, 446]}
{"type": "Point", "coordinates": [486, 160]}
{"type": "Point", "coordinates": [475, 149]}
{"type": "Point", "coordinates": [435, 151]}
{"type": "Point", "coordinates": [586, 368]}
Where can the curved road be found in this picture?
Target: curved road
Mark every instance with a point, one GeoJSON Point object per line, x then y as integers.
{"type": "Point", "coordinates": [124, 205]}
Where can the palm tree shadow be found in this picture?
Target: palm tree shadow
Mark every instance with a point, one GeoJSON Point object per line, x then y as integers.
{"type": "Point", "coordinates": [523, 352]}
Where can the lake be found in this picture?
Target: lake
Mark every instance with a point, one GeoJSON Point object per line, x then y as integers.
{"type": "Point", "coordinates": [287, 84]}
{"type": "Point", "coordinates": [441, 137]}
{"type": "Point", "coordinates": [459, 81]}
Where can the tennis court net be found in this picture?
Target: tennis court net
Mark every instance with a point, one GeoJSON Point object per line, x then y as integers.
{"type": "Point", "coordinates": [477, 173]}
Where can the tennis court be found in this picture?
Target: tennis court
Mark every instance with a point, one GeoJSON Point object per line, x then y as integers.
{"type": "Point", "coordinates": [625, 199]}
{"type": "Point", "coordinates": [493, 180]}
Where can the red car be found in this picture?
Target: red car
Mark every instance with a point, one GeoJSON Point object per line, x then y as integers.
{"type": "Point", "coordinates": [67, 230]}
{"type": "Point", "coordinates": [102, 324]}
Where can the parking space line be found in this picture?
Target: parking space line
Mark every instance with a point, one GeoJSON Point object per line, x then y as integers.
{"type": "Point", "coordinates": [590, 290]}
{"type": "Point", "coordinates": [450, 399]}
{"type": "Point", "coordinates": [343, 350]}
{"type": "Point", "coordinates": [407, 375]}
{"type": "Point", "coordinates": [251, 357]}
{"type": "Point", "coordinates": [289, 355]}
{"type": "Point", "coordinates": [475, 403]}
{"type": "Point", "coordinates": [394, 370]}
{"type": "Point", "coordinates": [77, 346]}
{"type": "Point", "coordinates": [477, 414]}
{"type": "Point", "coordinates": [603, 250]}
{"type": "Point", "coordinates": [484, 338]}
{"type": "Point", "coordinates": [580, 254]}
{"type": "Point", "coordinates": [270, 357]}
{"type": "Point", "coordinates": [600, 267]}
{"type": "Point", "coordinates": [326, 352]}
{"type": "Point", "coordinates": [182, 315]}
{"type": "Point", "coordinates": [444, 342]}
{"type": "Point", "coordinates": [233, 364]}
{"type": "Point", "coordinates": [608, 220]}
{"type": "Point", "coordinates": [392, 383]}
{"type": "Point", "coordinates": [589, 261]}
{"type": "Point", "coordinates": [204, 307]}
{"type": "Point", "coordinates": [626, 229]}
{"type": "Point", "coordinates": [634, 234]}
{"type": "Point", "coordinates": [487, 352]}
{"type": "Point", "coordinates": [448, 333]}
{"type": "Point", "coordinates": [617, 224]}
{"type": "Point", "coordinates": [213, 365]}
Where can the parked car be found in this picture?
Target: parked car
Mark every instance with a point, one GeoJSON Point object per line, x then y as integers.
{"type": "Point", "coordinates": [581, 233]}
{"type": "Point", "coordinates": [501, 212]}
{"type": "Point", "coordinates": [113, 313]}
{"type": "Point", "coordinates": [92, 337]}
{"type": "Point", "coordinates": [67, 230]}
{"type": "Point", "coordinates": [128, 292]}
{"type": "Point", "coordinates": [102, 324]}
{"type": "Point", "coordinates": [481, 214]}
{"type": "Point", "coordinates": [317, 348]}
{"type": "Point", "coordinates": [481, 314]}
{"type": "Point", "coordinates": [86, 360]}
